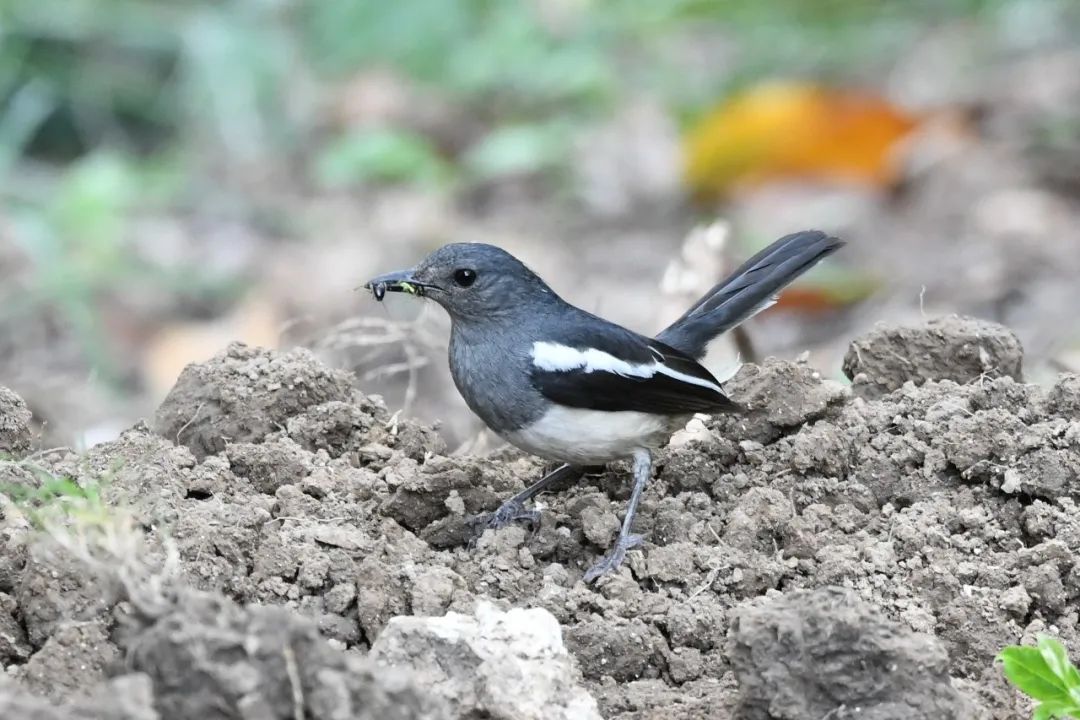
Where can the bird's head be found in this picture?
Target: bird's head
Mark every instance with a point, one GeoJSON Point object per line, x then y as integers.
{"type": "Point", "coordinates": [471, 280]}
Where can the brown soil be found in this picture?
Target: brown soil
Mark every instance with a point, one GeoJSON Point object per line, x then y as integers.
{"type": "Point", "coordinates": [841, 551]}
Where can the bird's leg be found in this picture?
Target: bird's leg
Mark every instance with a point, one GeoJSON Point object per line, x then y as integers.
{"type": "Point", "coordinates": [514, 509]}
{"type": "Point", "coordinates": [626, 539]}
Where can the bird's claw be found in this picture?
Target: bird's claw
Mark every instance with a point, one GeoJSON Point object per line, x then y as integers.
{"type": "Point", "coordinates": [508, 513]}
{"type": "Point", "coordinates": [614, 558]}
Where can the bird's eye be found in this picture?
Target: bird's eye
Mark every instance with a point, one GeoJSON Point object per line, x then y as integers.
{"type": "Point", "coordinates": [464, 277]}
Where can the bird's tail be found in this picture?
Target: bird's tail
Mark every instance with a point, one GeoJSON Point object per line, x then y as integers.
{"type": "Point", "coordinates": [747, 291]}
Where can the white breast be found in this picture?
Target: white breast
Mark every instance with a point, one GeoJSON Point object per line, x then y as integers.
{"type": "Point", "coordinates": [593, 437]}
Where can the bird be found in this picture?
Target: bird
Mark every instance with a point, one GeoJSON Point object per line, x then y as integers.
{"type": "Point", "coordinates": [568, 386]}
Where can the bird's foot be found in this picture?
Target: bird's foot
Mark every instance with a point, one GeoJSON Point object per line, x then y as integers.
{"type": "Point", "coordinates": [614, 558]}
{"type": "Point", "coordinates": [508, 513]}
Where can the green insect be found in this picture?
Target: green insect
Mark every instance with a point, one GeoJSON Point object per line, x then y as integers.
{"type": "Point", "coordinates": [379, 288]}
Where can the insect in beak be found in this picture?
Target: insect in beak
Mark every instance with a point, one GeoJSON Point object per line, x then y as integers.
{"type": "Point", "coordinates": [401, 281]}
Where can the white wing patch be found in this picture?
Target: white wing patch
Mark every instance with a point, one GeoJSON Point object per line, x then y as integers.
{"type": "Point", "coordinates": [554, 357]}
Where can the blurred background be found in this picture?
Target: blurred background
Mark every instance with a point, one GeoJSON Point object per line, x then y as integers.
{"type": "Point", "coordinates": [177, 175]}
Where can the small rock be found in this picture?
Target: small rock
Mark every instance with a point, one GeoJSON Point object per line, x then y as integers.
{"type": "Point", "coordinates": [1011, 482]}
{"type": "Point", "coordinates": [497, 665]}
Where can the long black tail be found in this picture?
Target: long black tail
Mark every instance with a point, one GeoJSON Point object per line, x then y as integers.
{"type": "Point", "coordinates": [748, 290]}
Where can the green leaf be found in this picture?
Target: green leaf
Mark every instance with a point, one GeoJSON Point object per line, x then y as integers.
{"type": "Point", "coordinates": [1048, 710]}
{"type": "Point", "coordinates": [1057, 659]}
{"type": "Point", "coordinates": [1027, 670]}
{"type": "Point", "coordinates": [1053, 653]}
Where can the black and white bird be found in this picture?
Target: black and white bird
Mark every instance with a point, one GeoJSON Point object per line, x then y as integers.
{"type": "Point", "coordinates": [564, 384]}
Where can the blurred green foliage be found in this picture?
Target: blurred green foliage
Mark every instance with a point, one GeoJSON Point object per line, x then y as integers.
{"type": "Point", "coordinates": [235, 77]}
{"type": "Point", "coordinates": [109, 108]}
{"type": "Point", "coordinates": [382, 155]}
{"type": "Point", "coordinates": [482, 48]}
{"type": "Point", "coordinates": [74, 242]}
{"type": "Point", "coordinates": [53, 498]}
{"type": "Point", "coordinates": [75, 237]}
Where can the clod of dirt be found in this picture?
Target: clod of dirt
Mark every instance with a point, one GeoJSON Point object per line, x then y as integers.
{"type": "Point", "coordinates": [498, 665]}
{"type": "Point", "coordinates": [14, 424]}
{"type": "Point", "coordinates": [825, 653]}
{"type": "Point", "coordinates": [778, 396]}
{"type": "Point", "coordinates": [1064, 398]}
{"type": "Point", "coordinates": [451, 490]}
{"type": "Point", "coordinates": [211, 658]}
{"type": "Point", "coordinates": [128, 697]}
{"type": "Point", "coordinates": [270, 465]}
{"type": "Point", "coordinates": [56, 587]}
{"type": "Point", "coordinates": [78, 655]}
{"type": "Point", "coordinates": [13, 644]}
{"type": "Point", "coordinates": [621, 649]}
{"type": "Point", "coordinates": [244, 394]}
{"type": "Point", "coordinates": [954, 348]}
{"type": "Point", "coordinates": [139, 471]}
{"type": "Point", "coordinates": [14, 528]}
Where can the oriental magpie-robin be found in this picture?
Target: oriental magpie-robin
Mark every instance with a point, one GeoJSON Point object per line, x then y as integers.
{"type": "Point", "coordinates": [564, 384]}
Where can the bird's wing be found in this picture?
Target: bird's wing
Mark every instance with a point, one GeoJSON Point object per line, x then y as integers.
{"type": "Point", "coordinates": [605, 367]}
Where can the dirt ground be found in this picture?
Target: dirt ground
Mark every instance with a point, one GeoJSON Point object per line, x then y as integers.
{"type": "Point", "coordinates": [838, 551]}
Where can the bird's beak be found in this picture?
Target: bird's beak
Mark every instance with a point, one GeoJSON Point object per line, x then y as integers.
{"type": "Point", "coordinates": [400, 281]}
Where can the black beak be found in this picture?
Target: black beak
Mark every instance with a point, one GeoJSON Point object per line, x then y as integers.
{"type": "Point", "coordinates": [401, 281]}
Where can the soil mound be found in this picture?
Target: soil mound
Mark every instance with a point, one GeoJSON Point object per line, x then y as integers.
{"type": "Point", "coordinates": [929, 517]}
